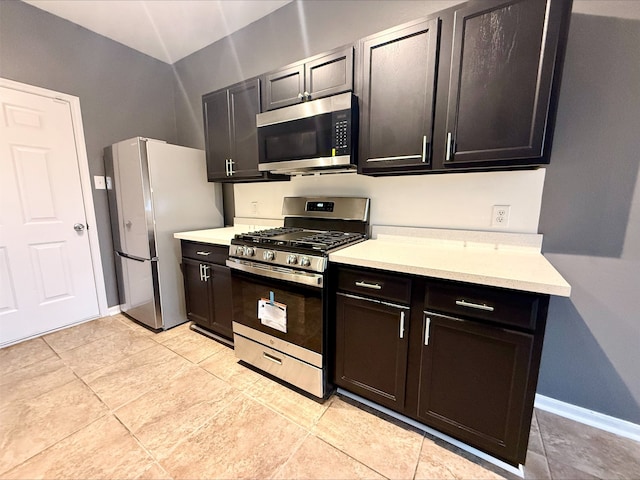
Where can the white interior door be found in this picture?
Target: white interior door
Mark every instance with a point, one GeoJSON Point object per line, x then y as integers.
{"type": "Point", "coordinates": [46, 272]}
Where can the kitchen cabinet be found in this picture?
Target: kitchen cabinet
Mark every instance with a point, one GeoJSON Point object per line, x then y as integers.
{"type": "Point", "coordinates": [463, 358]}
{"type": "Point", "coordinates": [505, 70]}
{"type": "Point", "coordinates": [372, 327]}
{"type": "Point", "coordinates": [398, 69]}
{"type": "Point", "coordinates": [231, 136]}
{"type": "Point", "coordinates": [207, 287]}
{"type": "Point", "coordinates": [326, 74]}
{"type": "Point", "coordinates": [471, 87]}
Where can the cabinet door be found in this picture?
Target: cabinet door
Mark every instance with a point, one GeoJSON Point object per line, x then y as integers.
{"type": "Point", "coordinates": [397, 103]}
{"type": "Point", "coordinates": [217, 132]}
{"type": "Point", "coordinates": [502, 70]}
{"type": "Point", "coordinates": [329, 75]}
{"type": "Point", "coordinates": [197, 292]}
{"type": "Point", "coordinates": [222, 317]}
{"type": "Point", "coordinates": [371, 349]}
{"type": "Point", "coordinates": [473, 382]}
{"type": "Point", "coordinates": [283, 87]}
{"type": "Point", "coordinates": [244, 105]}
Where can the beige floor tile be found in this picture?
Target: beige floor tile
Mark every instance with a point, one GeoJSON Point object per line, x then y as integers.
{"type": "Point", "coordinates": [316, 459]}
{"type": "Point", "coordinates": [535, 440]}
{"type": "Point", "coordinates": [105, 351]}
{"type": "Point", "coordinates": [296, 407]}
{"type": "Point", "coordinates": [536, 467]}
{"type": "Point", "coordinates": [73, 337]}
{"type": "Point", "coordinates": [438, 459]}
{"type": "Point", "coordinates": [127, 379]}
{"type": "Point", "coordinates": [28, 427]}
{"type": "Point", "coordinates": [166, 335]}
{"type": "Point", "coordinates": [387, 447]}
{"type": "Point", "coordinates": [102, 450]}
{"type": "Point", "coordinates": [161, 418]}
{"type": "Point", "coordinates": [34, 380]}
{"type": "Point", "coordinates": [24, 354]}
{"type": "Point", "coordinates": [193, 346]}
{"type": "Point", "coordinates": [587, 449]}
{"type": "Point", "coordinates": [244, 440]}
{"type": "Point", "coordinates": [132, 325]}
{"type": "Point", "coordinates": [224, 365]}
{"type": "Point", "coordinates": [154, 472]}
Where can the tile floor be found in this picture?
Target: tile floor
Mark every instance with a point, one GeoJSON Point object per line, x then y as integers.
{"type": "Point", "coordinates": [110, 399]}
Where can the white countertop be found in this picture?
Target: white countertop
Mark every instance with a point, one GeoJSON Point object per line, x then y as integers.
{"type": "Point", "coordinates": [224, 235]}
{"type": "Point", "coordinates": [518, 266]}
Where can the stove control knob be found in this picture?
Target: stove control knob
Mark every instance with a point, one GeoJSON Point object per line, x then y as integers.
{"type": "Point", "coordinates": [268, 255]}
{"type": "Point", "coordinates": [249, 251]}
{"type": "Point", "coordinates": [292, 259]}
{"type": "Point", "coordinates": [305, 262]}
{"type": "Point", "coordinates": [239, 251]}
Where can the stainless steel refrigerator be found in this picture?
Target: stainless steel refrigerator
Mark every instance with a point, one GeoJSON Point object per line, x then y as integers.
{"type": "Point", "coordinates": [155, 189]}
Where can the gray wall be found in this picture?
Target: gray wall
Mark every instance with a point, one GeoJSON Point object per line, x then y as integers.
{"type": "Point", "coordinates": [591, 203]}
{"type": "Point", "coordinates": [123, 93]}
{"type": "Point", "coordinates": [590, 218]}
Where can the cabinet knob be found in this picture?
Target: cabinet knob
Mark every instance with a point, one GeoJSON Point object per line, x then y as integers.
{"type": "Point", "coordinates": [307, 95]}
{"type": "Point", "coordinates": [300, 96]}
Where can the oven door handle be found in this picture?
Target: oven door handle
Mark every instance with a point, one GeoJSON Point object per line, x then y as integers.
{"type": "Point", "coordinates": [304, 278]}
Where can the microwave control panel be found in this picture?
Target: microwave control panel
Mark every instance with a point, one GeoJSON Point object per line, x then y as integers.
{"type": "Point", "coordinates": [341, 134]}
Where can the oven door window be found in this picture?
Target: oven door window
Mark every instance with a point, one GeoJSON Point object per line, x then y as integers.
{"type": "Point", "coordinates": [296, 140]}
{"type": "Point", "coordinates": [304, 308]}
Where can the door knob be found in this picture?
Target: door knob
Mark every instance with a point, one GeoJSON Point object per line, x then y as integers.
{"type": "Point", "coordinates": [78, 227]}
{"type": "Point", "coordinates": [128, 224]}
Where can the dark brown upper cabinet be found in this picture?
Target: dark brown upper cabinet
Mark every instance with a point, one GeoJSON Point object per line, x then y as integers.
{"type": "Point", "coordinates": [231, 136]}
{"type": "Point", "coordinates": [398, 70]}
{"type": "Point", "coordinates": [505, 72]}
{"type": "Point", "coordinates": [326, 74]}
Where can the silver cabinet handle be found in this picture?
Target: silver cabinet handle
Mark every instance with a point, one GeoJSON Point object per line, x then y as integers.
{"type": "Point", "coordinates": [203, 253]}
{"type": "Point", "coordinates": [226, 167]}
{"type": "Point", "coordinates": [387, 159]}
{"type": "Point", "coordinates": [272, 358]}
{"type": "Point", "coordinates": [201, 272]}
{"type": "Point", "coordinates": [477, 306]}
{"type": "Point", "coordinates": [373, 286]}
{"type": "Point", "coordinates": [449, 146]}
{"type": "Point", "coordinates": [424, 148]}
{"type": "Point", "coordinates": [78, 227]}
{"type": "Point", "coordinates": [205, 275]}
{"type": "Point", "coordinates": [427, 327]}
{"type": "Point", "coordinates": [401, 324]}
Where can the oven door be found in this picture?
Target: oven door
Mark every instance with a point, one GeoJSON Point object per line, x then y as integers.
{"type": "Point", "coordinates": [297, 306]}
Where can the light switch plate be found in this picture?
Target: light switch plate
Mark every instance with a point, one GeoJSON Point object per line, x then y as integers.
{"type": "Point", "coordinates": [98, 182]}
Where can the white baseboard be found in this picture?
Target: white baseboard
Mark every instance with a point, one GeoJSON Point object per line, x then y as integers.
{"type": "Point", "coordinates": [114, 310]}
{"type": "Point", "coordinates": [589, 417]}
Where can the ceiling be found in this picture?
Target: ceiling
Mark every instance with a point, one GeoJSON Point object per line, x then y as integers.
{"type": "Point", "coordinates": [164, 29]}
{"type": "Point", "coordinates": [173, 29]}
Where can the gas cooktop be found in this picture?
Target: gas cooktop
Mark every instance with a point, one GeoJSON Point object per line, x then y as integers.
{"type": "Point", "coordinates": [299, 238]}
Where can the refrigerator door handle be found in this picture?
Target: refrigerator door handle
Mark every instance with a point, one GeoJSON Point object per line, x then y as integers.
{"type": "Point", "coordinates": [137, 259]}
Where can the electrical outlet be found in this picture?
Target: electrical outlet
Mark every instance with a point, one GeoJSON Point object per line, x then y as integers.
{"type": "Point", "coordinates": [500, 216]}
{"type": "Point", "coordinates": [254, 208]}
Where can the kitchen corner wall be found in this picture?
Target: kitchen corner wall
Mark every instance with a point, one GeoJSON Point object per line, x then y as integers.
{"type": "Point", "coordinates": [123, 93]}
{"type": "Point", "coordinates": [590, 213]}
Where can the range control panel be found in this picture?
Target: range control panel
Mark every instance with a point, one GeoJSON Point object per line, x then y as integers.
{"type": "Point", "coordinates": [320, 206]}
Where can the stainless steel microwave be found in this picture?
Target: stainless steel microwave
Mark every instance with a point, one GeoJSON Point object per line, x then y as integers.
{"type": "Point", "coordinates": [320, 135]}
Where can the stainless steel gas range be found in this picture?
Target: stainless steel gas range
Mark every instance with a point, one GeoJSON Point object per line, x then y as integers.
{"type": "Point", "coordinates": [279, 283]}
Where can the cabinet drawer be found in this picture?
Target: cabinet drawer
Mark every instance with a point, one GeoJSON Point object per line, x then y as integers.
{"type": "Point", "coordinates": [205, 252]}
{"type": "Point", "coordinates": [375, 284]}
{"type": "Point", "coordinates": [511, 308]}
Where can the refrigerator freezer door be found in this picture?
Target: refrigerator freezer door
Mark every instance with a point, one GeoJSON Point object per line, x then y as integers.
{"type": "Point", "coordinates": [135, 221]}
{"type": "Point", "coordinates": [138, 284]}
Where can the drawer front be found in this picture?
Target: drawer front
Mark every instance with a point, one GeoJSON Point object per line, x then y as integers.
{"type": "Point", "coordinates": [511, 308]}
{"type": "Point", "coordinates": [205, 252]}
{"type": "Point", "coordinates": [281, 365]}
{"type": "Point", "coordinates": [377, 284]}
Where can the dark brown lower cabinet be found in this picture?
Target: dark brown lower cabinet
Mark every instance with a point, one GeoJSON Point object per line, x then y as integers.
{"type": "Point", "coordinates": [460, 358]}
{"type": "Point", "coordinates": [207, 287]}
{"type": "Point", "coordinates": [371, 349]}
{"type": "Point", "coordinates": [473, 381]}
